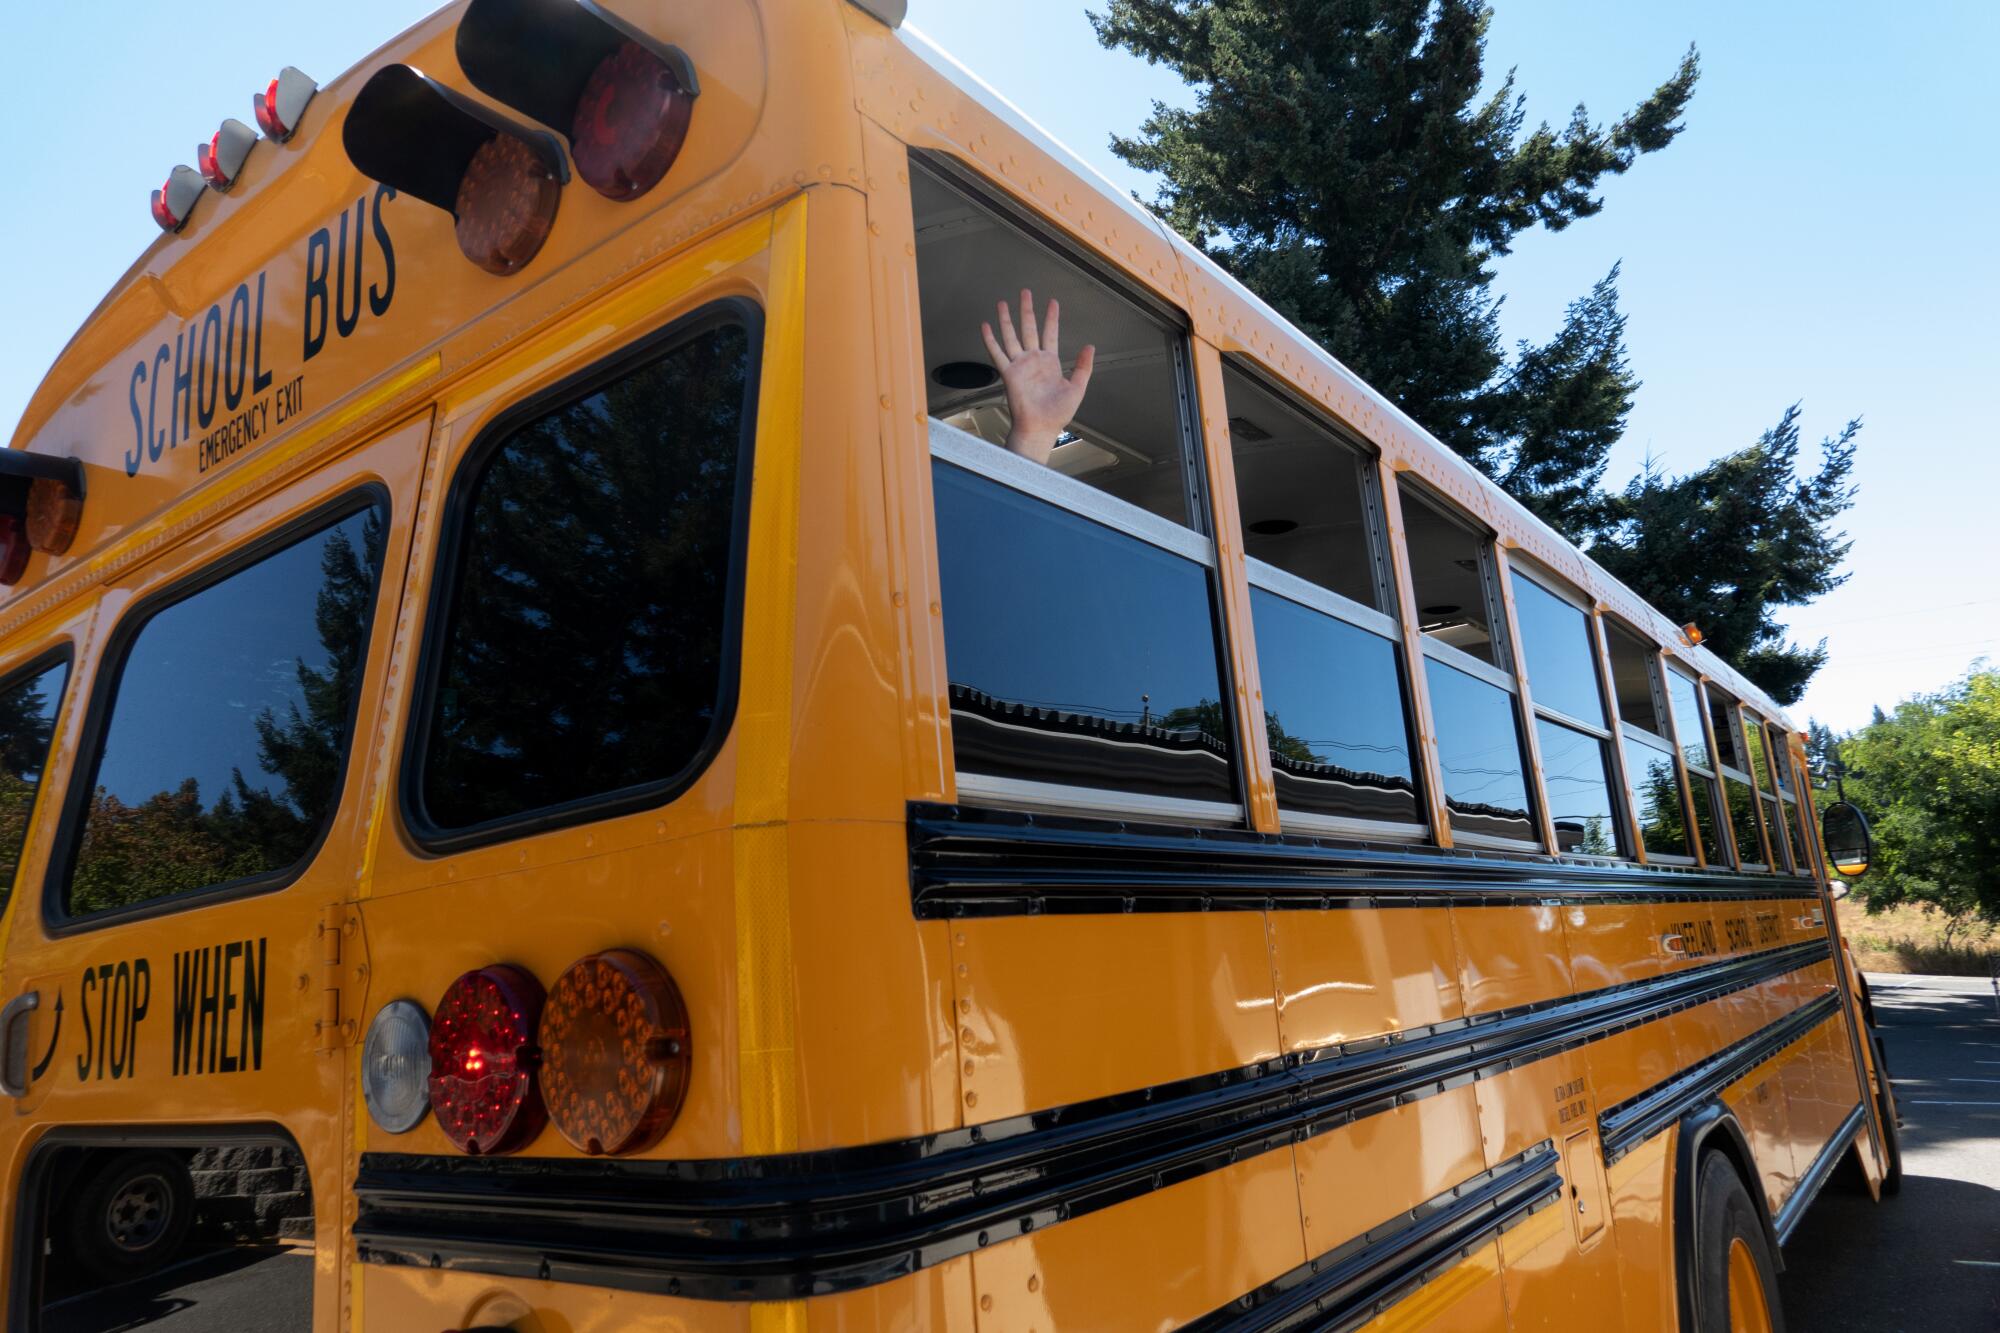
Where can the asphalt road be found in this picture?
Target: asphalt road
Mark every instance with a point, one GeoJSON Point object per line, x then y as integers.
{"type": "Point", "coordinates": [1928, 1260]}
{"type": "Point", "coordinates": [246, 1290]}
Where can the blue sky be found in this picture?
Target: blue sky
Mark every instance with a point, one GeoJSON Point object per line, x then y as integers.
{"type": "Point", "coordinates": [1820, 234]}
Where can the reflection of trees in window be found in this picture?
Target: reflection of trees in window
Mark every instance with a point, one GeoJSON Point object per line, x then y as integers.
{"type": "Point", "coordinates": [586, 643]}
{"type": "Point", "coordinates": [173, 842]}
{"type": "Point", "coordinates": [27, 721]}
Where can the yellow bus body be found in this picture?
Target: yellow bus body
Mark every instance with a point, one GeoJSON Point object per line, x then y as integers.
{"type": "Point", "coordinates": [826, 1015]}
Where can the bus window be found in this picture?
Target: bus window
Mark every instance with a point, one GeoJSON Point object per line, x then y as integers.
{"type": "Point", "coordinates": [1480, 751]}
{"type": "Point", "coordinates": [1329, 658]}
{"type": "Point", "coordinates": [1685, 696]}
{"type": "Point", "coordinates": [1739, 790]}
{"type": "Point", "coordinates": [1129, 437]}
{"type": "Point", "coordinates": [28, 704]}
{"type": "Point", "coordinates": [598, 544]}
{"type": "Point", "coordinates": [1081, 641]}
{"type": "Point", "coordinates": [1649, 755]}
{"type": "Point", "coordinates": [1788, 796]}
{"type": "Point", "coordinates": [1763, 769]}
{"type": "Point", "coordinates": [1558, 650]}
{"type": "Point", "coordinates": [231, 784]}
{"type": "Point", "coordinates": [1305, 496]}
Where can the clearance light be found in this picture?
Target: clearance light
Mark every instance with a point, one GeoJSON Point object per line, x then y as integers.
{"type": "Point", "coordinates": [483, 1058]}
{"type": "Point", "coordinates": [281, 106]}
{"type": "Point", "coordinates": [500, 181]}
{"type": "Point", "coordinates": [614, 1039]}
{"type": "Point", "coordinates": [174, 200]}
{"type": "Point", "coordinates": [396, 1066]}
{"type": "Point", "coordinates": [1692, 633]}
{"type": "Point", "coordinates": [624, 97]}
{"type": "Point", "coordinates": [222, 156]}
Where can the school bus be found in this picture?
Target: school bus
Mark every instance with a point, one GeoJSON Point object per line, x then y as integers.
{"type": "Point", "coordinates": [592, 793]}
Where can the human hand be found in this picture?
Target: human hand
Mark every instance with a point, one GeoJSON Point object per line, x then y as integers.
{"type": "Point", "coordinates": [1040, 399]}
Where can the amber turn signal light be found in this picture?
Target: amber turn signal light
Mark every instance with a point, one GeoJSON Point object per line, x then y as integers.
{"type": "Point", "coordinates": [614, 1041]}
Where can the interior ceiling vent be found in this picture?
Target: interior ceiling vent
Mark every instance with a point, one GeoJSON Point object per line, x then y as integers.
{"type": "Point", "coordinates": [1248, 431]}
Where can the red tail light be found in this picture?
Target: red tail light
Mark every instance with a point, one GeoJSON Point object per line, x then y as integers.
{"type": "Point", "coordinates": [483, 1061]}
{"type": "Point", "coordinates": [615, 1057]}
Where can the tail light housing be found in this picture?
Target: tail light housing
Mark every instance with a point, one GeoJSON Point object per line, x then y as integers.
{"type": "Point", "coordinates": [223, 156]}
{"type": "Point", "coordinates": [615, 1055]}
{"type": "Point", "coordinates": [624, 98]}
{"type": "Point", "coordinates": [483, 1060]}
{"type": "Point", "coordinates": [280, 107]}
{"type": "Point", "coordinates": [174, 200]}
{"type": "Point", "coordinates": [500, 181]}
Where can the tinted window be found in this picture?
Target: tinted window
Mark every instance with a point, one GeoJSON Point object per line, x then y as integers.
{"type": "Point", "coordinates": [1687, 719]}
{"type": "Point", "coordinates": [1447, 578]}
{"type": "Point", "coordinates": [1076, 654]}
{"type": "Point", "coordinates": [1743, 821]}
{"type": "Point", "coordinates": [1576, 774]}
{"type": "Point", "coordinates": [1333, 706]}
{"type": "Point", "coordinates": [222, 753]}
{"type": "Point", "coordinates": [590, 626]}
{"type": "Point", "coordinates": [1479, 753]}
{"type": "Point", "coordinates": [1801, 842]}
{"type": "Point", "coordinates": [1656, 793]}
{"type": "Point", "coordinates": [1561, 660]}
{"type": "Point", "coordinates": [1708, 820]}
{"type": "Point", "coordinates": [1299, 491]}
{"type": "Point", "coordinates": [27, 721]}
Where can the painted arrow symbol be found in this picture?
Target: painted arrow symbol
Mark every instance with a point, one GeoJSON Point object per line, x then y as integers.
{"type": "Point", "coordinates": [43, 1066]}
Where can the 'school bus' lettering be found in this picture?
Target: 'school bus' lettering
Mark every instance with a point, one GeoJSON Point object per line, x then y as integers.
{"type": "Point", "coordinates": [638, 750]}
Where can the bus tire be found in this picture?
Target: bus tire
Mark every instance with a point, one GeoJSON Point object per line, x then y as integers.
{"type": "Point", "coordinates": [131, 1215]}
{"type": "Point", "coordinates": [1736, 1286]}
{"type": "Point", "coordinates": [1885, 1105]}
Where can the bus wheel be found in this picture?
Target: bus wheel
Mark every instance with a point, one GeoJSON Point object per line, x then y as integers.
{"type": "Point", "coordinates": [1736, 1286]}
{"type": "Point", "coordinates": [131, 1215]}
{"type": "Point", "coordinates": [1892, 1139]}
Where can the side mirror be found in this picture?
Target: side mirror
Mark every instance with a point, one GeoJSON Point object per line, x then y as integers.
{"type": "Point", "coordinates": [1849, 845]}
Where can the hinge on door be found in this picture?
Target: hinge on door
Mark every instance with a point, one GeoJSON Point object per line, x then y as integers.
{"type": "Point", "coordinates": [343, 967]}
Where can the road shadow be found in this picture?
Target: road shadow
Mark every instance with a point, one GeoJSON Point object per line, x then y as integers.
{"type": "Point", "coordinates": [1855, 1266]}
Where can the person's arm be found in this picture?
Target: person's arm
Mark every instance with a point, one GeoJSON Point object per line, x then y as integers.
{"type": "Point", "coordinates": [1040, 399]}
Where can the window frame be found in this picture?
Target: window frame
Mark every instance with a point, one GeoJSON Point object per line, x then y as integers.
{"type": "Point", "coordinates": [1711, 775]}
{"type": "Point", "coordinates": [1732, 708]}
{"type": "Point", "coordinates": [1435, 649]}
{"type": "Point", "coordinates": [1610, 740]}
{"type": "Point", "coordinates": [448, 558]}
{"type": "Point", "coordinates": [1656, 684]}
{"type": "Point", "coordinates": [948, 444]}
{"type": "Point", "coordinates": [61, 654]}
{"type": "Point", "coordinates": [1269, 578]}
{"type": "Point", "coordinates": [112, 661]}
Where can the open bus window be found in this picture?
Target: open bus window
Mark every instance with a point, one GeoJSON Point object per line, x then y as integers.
{"type": "Point", "coordinates": [1452, 580]}
{"type": "Point", "coordinates": [582, 665]}
{"type": "Point", "coordinates": [191, 1233]}
{"type": "Point", "coordinates": [1329, 657]}
{"type": "Point", "coordinates": [234, 781]}
{"type": "Point", "coordinates": [1685, 697]}
{"type": "Point", "coordinates": [28, 704]}
{"type": "Point", "coordinates": [1079, 604]}
{"type": "Point", "coordinates": [1129, 437]}
{"type": "Point", "coordinates": [1649, 755]}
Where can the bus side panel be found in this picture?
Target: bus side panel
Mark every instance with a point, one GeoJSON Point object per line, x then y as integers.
{"type": "Point", "coordinates": [1758, 1102]}
{"type": "Point", "coordinates": [1468, 1297]}
{"type": "Point", "coordinates": [1641, 1218]}
{"type": "Point", "coordinates": [1158, 1261]}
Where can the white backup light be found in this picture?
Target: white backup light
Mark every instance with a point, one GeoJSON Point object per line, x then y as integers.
{"type": "Point", "coordinates": [396, 1066]}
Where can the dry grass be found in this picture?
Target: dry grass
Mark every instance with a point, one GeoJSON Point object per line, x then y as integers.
{"type": "Point", "coordinates": [1909, 939]}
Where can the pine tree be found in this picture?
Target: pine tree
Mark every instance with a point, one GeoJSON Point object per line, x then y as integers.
{"type": "Point", "coordinates": [1340, 161]}
{"type": "Point", "coordinates": [1724, 545]}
